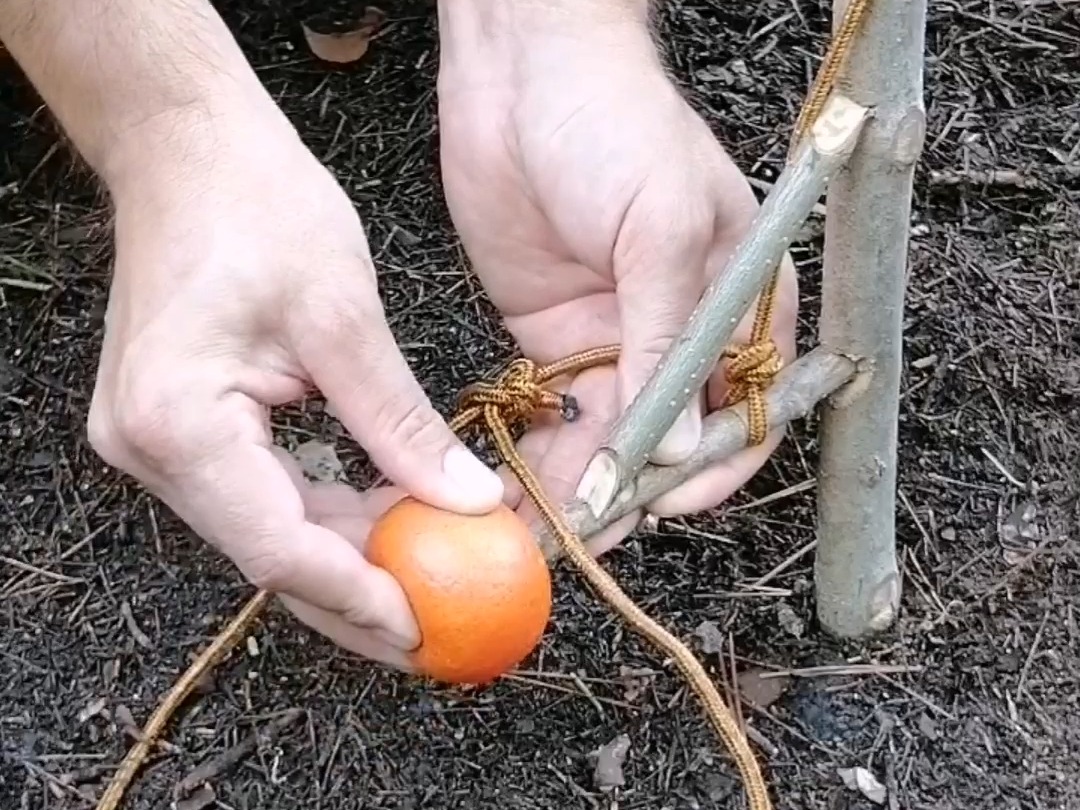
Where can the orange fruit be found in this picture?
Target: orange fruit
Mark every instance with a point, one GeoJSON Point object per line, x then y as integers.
{"type": "Point", "coordinates": [478, 585]}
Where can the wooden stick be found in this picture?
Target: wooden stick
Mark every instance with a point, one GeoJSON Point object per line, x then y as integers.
{"type": "Point", "coordinates": [866, 240]}
{"type": "Point", "coordinates": [692, 357]}
{"type": "Point", "coordinates": [793, 394]}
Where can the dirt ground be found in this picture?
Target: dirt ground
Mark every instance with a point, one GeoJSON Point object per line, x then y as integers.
{"type": "Point", "coordinates": [105, 596]}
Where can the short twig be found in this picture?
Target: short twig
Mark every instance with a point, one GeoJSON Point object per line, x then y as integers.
{"type": "Point", "coordinates": [1037, 176]}
{"type": "Point", "coordinates": [841, 669]}
{"type": "Point", "coordinates": [229, 759]}
{"type": "Point", "coordinates": [783, 565]}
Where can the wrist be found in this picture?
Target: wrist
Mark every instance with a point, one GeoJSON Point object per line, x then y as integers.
{"type": "Point", "coordinates": [174, 145]}
{"type": "Point", "coordinates": [509, 30]}
{"type": "Point", "coordinates": [134, 85]}
{"type": "Point", "coordinates": [509, 13]}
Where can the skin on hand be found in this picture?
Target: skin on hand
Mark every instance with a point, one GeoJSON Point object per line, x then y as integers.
{"type": "Point", "coordinates": [242, 279]}
{"type": "Point", "coordinates": [586, 191]}
{"type": "Point", "coordinates": [596, 206]}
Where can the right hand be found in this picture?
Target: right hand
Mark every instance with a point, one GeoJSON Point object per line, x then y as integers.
{"type": "Point", "coordinates": [242, 278]}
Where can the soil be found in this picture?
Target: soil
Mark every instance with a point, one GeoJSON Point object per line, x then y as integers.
{"type": "Point", "coordinates": [105, 596]}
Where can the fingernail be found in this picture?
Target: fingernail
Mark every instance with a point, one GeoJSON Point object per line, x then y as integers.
{"type": "Point", "coordinates": [481, 488]}
{"type": "Point", "coordinates": [397, 624]}
{"type": "Point", "coordinates": [681, 439]}
{"type": "Point", "coordinates": [406, 643]}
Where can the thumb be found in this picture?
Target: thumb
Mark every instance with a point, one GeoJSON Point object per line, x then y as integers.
{"type": "Point", "coordinates": [655, 301]}
{"type": "Point", "coordinates": [354, 360]}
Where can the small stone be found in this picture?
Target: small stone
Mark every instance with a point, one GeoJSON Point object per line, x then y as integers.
{"type": "Point", "coordinates": [712, 640]}
{"type": "Point", "coordinates": [318, 461]}
{"type": "Point", "coordinates": [789, 620]}
{"type": "Point", "coordinates": [760, 690]}
{"type": "Point", "coordinates": [863, 781]}
{"type": "Point", "coordinates": [927, 727]}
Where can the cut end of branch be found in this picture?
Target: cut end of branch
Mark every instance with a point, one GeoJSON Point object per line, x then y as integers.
{"type": "Point", "coordinates": [598, 483]}
{"type": "Point", "coordinates": [850, 392]}
{"type": "Point", "coordinates": [836, 130]}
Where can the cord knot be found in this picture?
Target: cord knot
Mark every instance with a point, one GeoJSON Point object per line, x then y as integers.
{"type": "Point", "coordinates": [749, 372]}
{"type": "Point", "coordinates": [516, 394]}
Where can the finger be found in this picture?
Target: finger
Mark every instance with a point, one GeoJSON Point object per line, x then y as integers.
{"type": "Point", "coordinates": [720, 481]}
{"type": "Point", "coordinates": [717, 483]}
{"type": "Point", "coordinates": [353, 358]}
{"type": "Point", "coordinates": [530, 447]}
{"type": "Point", "coordinates": [604, 541]}
{"type": "Point", "coordinates": [658, 288]}
{"type": "Point", "coordinates": [347, 512]}
{"type": "Point", "coordinates": [292, 467]}
{"type": "Point", "coordinates": [351, 514]}
{"type": "Point", "coordinates": [338, 502]}
{"type": "Point", "coordinates": [240, 497]}
{"type": "Point", "coordinates": [345, 634]}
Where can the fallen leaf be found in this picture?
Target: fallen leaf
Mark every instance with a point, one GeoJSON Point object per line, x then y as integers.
{"type": "Point", "coordinates": [125, 721]}
{"type": "Point", "coordinates": [789, 620]}
{"type": "Point", "coordinates": [92, 709]}
{"type": "Point", "coordinates": [344, 44]}
{"type": "Point", "coordinates": [863, 781]}
{"type": "Point", "coordinates": [761, 691]}
{"type": "Point", "coordinates": [318, 461]}
{"type": "Point", "coordinates": [609, 761]}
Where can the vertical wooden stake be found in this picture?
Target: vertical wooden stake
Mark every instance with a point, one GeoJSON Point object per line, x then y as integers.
{"type": "Point", "coordinates": [866, 246]}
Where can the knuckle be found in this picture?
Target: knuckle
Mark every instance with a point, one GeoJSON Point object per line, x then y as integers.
{"type": "Point", "coordinates": [269, 568]}
{"type": "Point", "coordinates": [654, 343]}
{"type": "Point", "coordinates": [353, 317]}
{"type": "Point", "coordinates": [143, 421]}
{"type": "Point", "coordinates": [361, 613]}
{"type": "Point", "coordinates": [102, 436]}
{"type": "Point", "coordinates": [409, 424]}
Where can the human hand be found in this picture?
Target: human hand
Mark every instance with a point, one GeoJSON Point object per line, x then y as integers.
{"type": "Point", "coordinates": [242, 278]}
{"type": "Point", "coordinates": [596, 206]}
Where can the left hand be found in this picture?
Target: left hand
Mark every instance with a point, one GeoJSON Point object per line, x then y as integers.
{"type": "Point", "coordinates": [596, 206]}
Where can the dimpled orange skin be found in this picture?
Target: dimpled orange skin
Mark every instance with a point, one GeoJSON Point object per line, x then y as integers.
{"type": "Point", "coordinates": [479, 587]}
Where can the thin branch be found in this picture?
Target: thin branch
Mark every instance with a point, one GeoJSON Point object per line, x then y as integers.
{"type": "Point", "coordinates": [691, 358]}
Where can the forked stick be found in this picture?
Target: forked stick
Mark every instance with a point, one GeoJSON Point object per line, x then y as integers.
{"type": "Point", "coordinates": [795, 391]}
